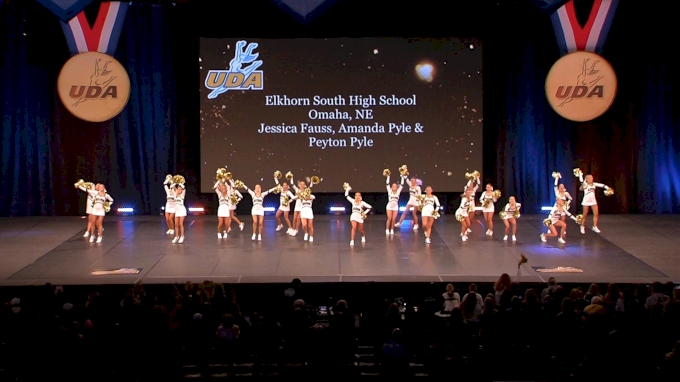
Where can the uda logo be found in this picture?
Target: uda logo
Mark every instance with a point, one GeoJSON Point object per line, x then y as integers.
{"type": "Point", "coordinates": [242, 73]}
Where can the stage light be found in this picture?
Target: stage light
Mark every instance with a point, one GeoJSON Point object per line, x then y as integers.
{"type": "Point", "coordinates": [196, 209]}
{"type": "Point", "coordinates": [126, 210]}
{"type": "Point", "coordinates": [337, 209]}
{"type": "Point", "coordinates": [402, 209]}
{"type": "Point", "coordinates": [546, 208]}
{"type": "Point", "coordinates": [270, 209]}
{"type": "Point", "coordinates": [163, 208]}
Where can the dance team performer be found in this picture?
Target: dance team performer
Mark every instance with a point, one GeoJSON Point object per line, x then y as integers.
{"type": "Point", "coordinates": [169, 205]}
{"type": "Point", "coordinates": [414, 192]}
{"type": "Point", "coordinates": [258, 208]}
{"type": "Point", "coordinates": [224, 209]}
{"type": "Point", "coordinates": [429, 212]}
{"type": "Point", "coordinates": [101, 204]}
{"type": "Point", "coordinates": [555, 220]}
{"type": "Point", "coordinates": [234, 198]}
{"type": "Point", "coordinates": [510, 214]}
{"type": "Point", "coordinates": [588, 186]}
{"type": "Point", "coordinates": [359, 211]}
{"type": "Point", "coordinates": [562, 193]}
{"type": "Point", "coordinates": [301, 186]}
{"type": "Point", "coordinates": [305, 199]}
{"type": "Point", "coordinates": [462, 213]}
{"type": "Point", "coordinates": [284, 204]}
{"type": "Point", "coordinates": [488, 198]}
{"type": "Point", "coordinates": [393, 193]}
{"type": "Point", "coordinates": [180, 209]}
{"type": "Point", "coordinates": [91, 219]}
{"type": "Point", "coordinates": [473, 186]}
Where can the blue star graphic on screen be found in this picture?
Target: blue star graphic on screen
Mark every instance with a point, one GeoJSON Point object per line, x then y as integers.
{"type": "Point", "coordinates": [237, 77]}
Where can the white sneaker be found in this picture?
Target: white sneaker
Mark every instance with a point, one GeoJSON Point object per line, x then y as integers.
{"type": "Point", "coordinates": [175, 240]}
{"type": "Point", "coordinates": [306, 236]}
{"type": "Point", "coordinates": [487, 232]}
{"type": "Point", "coordinates": [288, 231]}
{"type": "Point", "coordinates": [363, 239]}
{"type": "Point", "coordinates": [583, 230]}
{"type": "Point", "coordinates": [259, 237]}
{"type": "Point", "coordinates": [595, 229]}
{"type": "Point", "coordinates": [397, 225]}
{"type": "Point", "coordinates": [543, 238]}
{"type": "Point", "coordinates": [229, 230]}
{"type": "Point", "coordinates": [87, 234]}
{"type": "Point", "coordinates": [351, 243]}
{"type": "Point", "coordinates": [254, 236]}
{"type": "Point", "coordinates": [387, 232]}
{"type": "Point", "coordinates": [311, 239]}
{"type": "Point", "coordinates": [293, 232]}
{"type": "Point", "coordinates": [167, 232]}
{"type": "Point", "coordinates": [490, 233]}
{"type": "Point", "coordinates": [415, 227]}
{"type": "Point", "coordinates": [240, 226]}
{"type": "Point", "coordinates": [505, 237]}
{"type": "Point", "coordinates": [427, 240]}
{"type": "Point", "coordinates": [514, 238]}
{"type": "Point", "coordinates": [279, 227]}
{"type": "Point", "coordinates": [224, 235]}
{"type": "Point", "coordinates": [468, 231]}
{"type": "Point", "coordinates": [219, 235]}
{"type": "Point", "coordinates": [391, 232]}
{"type": "Point", "coordinates": [560, 240]}
{"type": "Point", "coordinates": [181, 240]}
{"type": "Point", "coordinates": [171, 232]}
{"type": "Point", "coordinates": [92, 239]}
{"type": "Point", "coordinates": [99, 239]}
{"type": "Point", "coordinates": [465, 238]}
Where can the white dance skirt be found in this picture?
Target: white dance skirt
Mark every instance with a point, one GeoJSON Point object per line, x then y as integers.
{"type": "Point", "coordinates": [589, 200]}
{"type": "Point", "coordinates": [98, 210]}
{"type": "Point", "coordinates": [427, 211]}
{"type": "Point", "coordinates": [356, 217]}
{"type": "Point", "coordinates": [413, 201]}
{"type": "Point", "coordinates": [490, 208]}
{"type": "Point", "coordinates": [170, 207]}
{"type": "Point", "coordinates": [284, 208]}
{"type": "Point", "coordinates": [307, 213]}
{"type": "Point", "coordinates": [393, 206]}
{"type": "Point", "coordinates": [180, 211]}
{"type": "Point", "coordinates": [257, 210]}
{"type": "Point", "coordinates": [223, 211]}
{"type": "Point", "coordinates": [298, 206]}
{"type": "Point", "coordinates": [88, 207]}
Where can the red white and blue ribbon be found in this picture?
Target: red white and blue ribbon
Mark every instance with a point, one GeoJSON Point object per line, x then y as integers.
{"type": "Point", "coordinates": [571, 37]}
{"type": "Point", "coordinates": [103, 35]}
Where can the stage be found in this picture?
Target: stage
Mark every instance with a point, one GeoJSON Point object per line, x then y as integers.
{"type": "Point", "coordinates": [37, 250]}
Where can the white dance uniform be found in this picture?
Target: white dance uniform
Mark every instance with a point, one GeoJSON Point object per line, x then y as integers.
{"type": "Point", "coordinates": [89, 202]}
{"type": "Point", "coordinates": [510, 210]}
{"type": "Point", "coordinates": [357, 209]}
{"type": "Point", "coordinates": [223, 210]}
{"type": "Point", "coordinates": [429, 205]}
{"type": "Point", "coordinates": [464, 207]}
{"type": "Point", "coordinates": [233, 191]}
{"type": "Point", "coordinates": [487, 200]}
{"type": "Point", "coordinates": [555, 215]}
{"type": "Point", "coordinates": [589, 192]}
{"type": "Point", "coordinates": [472, 185]}
{"type": "Point", "coordinates": [180, 209]}
{"type": "Point", "coordinates": [98, 202]}
{"type": "Point", "coordinates": [298, 203]}
{"type": "Point", "coordinates": [306, 211]}
{"type": "Point", "coordinates": [169, 198]}
{"type": "Point", "coordinates": [566, 197]}
{"type": "Point", "coordinates": [258, 207]}
{"type": "Point", "coordinates": [393, 197]}
{"type": "Point", "coordinates": [285, 196]}
{"type": "Point", "coordinates": [413, 194]}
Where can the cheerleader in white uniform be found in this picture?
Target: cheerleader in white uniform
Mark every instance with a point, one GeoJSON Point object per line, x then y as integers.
{"type": "Point", "coordinates": [91, 219]}
{"type": "Point", "coordinates": [169, 205]}
{"type": "Point", "coordinates": [359, 207]}
{"type": "Point", "coordinates": [297, 211]}
{"type": "Point", "coordinates": [556, 215]}
{"type": "Point", "coordinates": [284, 207]}
{"type": "Point", "coordinates": [462, 213]}
{"type": "Point", "coordinates": [430, 205]}
{"type": "Point", "coordinates": [487, 200]}
{"type": "Point", "coordinates": [258, 209]}
{"type": "Point", "coordinates": [414, 192]}
{"type": "Point", "coordinates": [306, 214]}
{"type": "Point", "coordinates": [223, 211]}
{"type": "Point", "coordinates": [473, 186]}
{"type": "Point", "coordinates": [562, 193]}
{"type": "Point", "coordinates": [100, 197]}
{"type": "Point", "coordinates": [393, 193]}
{"type": "Point", "coordinates": [180, 213]}
{"type": "Point", "coordinates": [511, 210]}
{"type": "Point", "coordinates": [589, 201]}
{"type": "Point", "coordinates": [232, 206]}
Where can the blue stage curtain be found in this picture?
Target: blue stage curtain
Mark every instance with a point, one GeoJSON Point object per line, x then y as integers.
{"type": "Point", "coordinates": [45, 149]}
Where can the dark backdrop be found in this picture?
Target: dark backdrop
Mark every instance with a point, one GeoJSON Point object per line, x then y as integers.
{"type": "Point", "coordinates": [633, 147]}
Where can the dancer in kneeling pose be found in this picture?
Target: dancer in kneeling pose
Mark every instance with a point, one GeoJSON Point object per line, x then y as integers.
{"type": "Point", "coordinates": [555, 220]}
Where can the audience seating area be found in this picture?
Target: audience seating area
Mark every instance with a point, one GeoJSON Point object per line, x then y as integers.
{"type": "Point", "coordinates": [505, 330]}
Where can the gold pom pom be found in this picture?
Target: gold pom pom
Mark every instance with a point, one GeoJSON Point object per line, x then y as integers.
{"type": "Point", "coordinates": [469, 176]}
{"type": "Point", "coordinates": [315, 180]}
{"type": "Point", "coordinates": [579, 219]}
{"type": "Point", "coordinates": [289, 175]}
{"type": "Point", "coordinates": [435, 214]}
{"type": "Point", "coordinates": [609, 192]}
{"type": "Point", "coordinates": [89, 185]}
{"type": "Point", "coordinates": [556, 175]}
{"type": "Point", "coordinates": [307, 193]}
{"type": "Point", "coordinates": [578, 172]}
{"type": "Point", "coordinates": [107, 207]}
{"type": "Point", "coordinates": [476, 174]}
{"type": "Point", "coordinates": [346, 186]}
{"type": "Point", "coordinates": [238, 184]}
{"type": "Point", "coordinates": [517, 214]}
{"type": "Point", "coordinates": [403, 170]}
{"type": "Point", "coordinates": [168, 177]}
{"type": "Point", "coordinates": [566, 204]}
{"type": "Point", "coordinates": [228, 175]}
{"type": "Point", "coordinates": [387, 172]}
{"type": "Point", "coordinates": [496, 194]}
{"type": "Point", "coordinates": [234, 200]}
{"type": "Point", "coordinates": [547, 222]}
{"type": "Point", "coordinates": [286, 201]}
{"type": "Point", "coordinates": [460, 216]}
{"type": "Point", "coordinates": [487, 203]}
{"type": "Point", "coordinates": [278, 189]}
{"type": "Point", "coordinates": [364, 215]}
{"type": "Point", "coordinates": [503, 215]}
{"type": "Point", "coordinates": [220, 174]}
{"type": "Point", "coordinates": [277, 174]}
{"type": "Point", "coordinates": [79, 183]}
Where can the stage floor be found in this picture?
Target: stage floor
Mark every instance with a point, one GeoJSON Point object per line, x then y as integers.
{"type": "Point", "coordinates": [631, 248]}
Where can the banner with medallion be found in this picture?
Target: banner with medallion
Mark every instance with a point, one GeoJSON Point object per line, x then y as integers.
{"type": "Point", "coordinates": [582, 85]}
{"type": "Point", "coordinates": [93, 85]}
